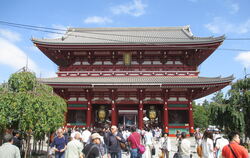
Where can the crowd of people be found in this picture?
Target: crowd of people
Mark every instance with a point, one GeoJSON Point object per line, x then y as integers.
{"type": "Point", "coordinates": [111, 142]}
{"type": "Point", "coordinates": [212, 144]}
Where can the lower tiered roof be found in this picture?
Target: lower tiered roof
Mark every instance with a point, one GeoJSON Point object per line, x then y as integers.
{"type": "Point", "coordinates": [139, 80]}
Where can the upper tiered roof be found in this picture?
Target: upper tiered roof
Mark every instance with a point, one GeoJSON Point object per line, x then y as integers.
{"type": "Point", "coordinates": [129, 36]}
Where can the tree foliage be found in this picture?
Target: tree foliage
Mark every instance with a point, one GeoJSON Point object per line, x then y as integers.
{"type": "Point", "coordinates": [232, 113]}
{"type": "Point", "coordinates": [240, 98]}
{"type": "Point", "coordinates": [200, 116]}
{"type": "Point", "coordinates": [30, 107]}
{"type": "Point", "coordinates": [227, 117]}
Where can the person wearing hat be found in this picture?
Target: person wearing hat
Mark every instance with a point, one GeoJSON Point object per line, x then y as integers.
{"type": "Point", "coordinates": [92, 150]}
{"type": "Point", "coordinates": [165, 145]}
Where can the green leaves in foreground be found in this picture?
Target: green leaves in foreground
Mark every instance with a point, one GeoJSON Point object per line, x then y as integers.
{"type": "Point", "coordinates": [30, 106]}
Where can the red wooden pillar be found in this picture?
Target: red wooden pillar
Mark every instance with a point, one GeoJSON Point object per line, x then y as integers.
{"type": "Point", "coordinates": [165, 115]}
{"type": "Point", "coordinates": [140, 116]}
{"type": "Point", "coordinates": [113, 114]}
{"type": "Point", "coordinates": [89, 111]}
{"type": "Point", "coordinates": [191, 120]}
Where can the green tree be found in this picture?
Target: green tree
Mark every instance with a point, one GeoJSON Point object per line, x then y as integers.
{"type": "Point", "coordinates": [240, 99]}
{"type": "Point", "coordinates": [30, 107]}
{"type": "Point", "coordinates": [200, 116]}
{"type": "Point", "coordinates": [218, 97]}
{"type": "Point", "coordinates": [225, 114]}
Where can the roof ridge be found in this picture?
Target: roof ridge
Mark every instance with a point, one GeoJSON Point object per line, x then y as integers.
{"type": "Point", "coordinates": [127, 28]}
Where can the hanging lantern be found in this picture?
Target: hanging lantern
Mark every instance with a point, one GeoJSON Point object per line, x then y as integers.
{"type": "Point", "coordinates": [102, 113]}
{"type": "Point", "coordinates": [127, 57]}
{"type": "Point", "coordinates": [152, 113]}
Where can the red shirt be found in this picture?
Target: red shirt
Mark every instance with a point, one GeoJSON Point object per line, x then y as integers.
{"type": "Point", "coordinates": [133, 139]}
{"type": "Point", "coordinates": [239, 151]}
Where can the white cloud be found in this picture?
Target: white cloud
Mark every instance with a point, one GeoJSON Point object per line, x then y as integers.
{"type": "Point", "coordinates": [10, 35]}
{"type": "Point", "coordinates": [219, 26]}
{"type": "Point", "coordinates": [135, 8]}
{"type": "Point", "coordinates": [97, 20]}
{"type": "Point", "coordinates": [58, 33]}
{"type": "Point", "coordinates": [234, 8]}
{"type": "Point", "coordinates": [244, 58]}
{"type": "Point", "coordinates": [14, 57]}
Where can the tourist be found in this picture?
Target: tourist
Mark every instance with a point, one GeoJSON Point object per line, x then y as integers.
{"type": "Point", "coordinates": [184, 146]}
{"type": "Point", "coordinates": [59, 144]}
{"type": "Point", "coordinates": [8, 150]}
{"type": "Point", "coordinates": [220, 142]}
{"type": "Point", "coordinates": [234, 149]}
{"type": "Point", "coordinates": [66, 133]}
{"type": "Point", "coordinates": [86, 136]}
{"type": "Point", "coordinates": [158, 134]}
{"type": "Point", "coordinates": [165, 145]}
{"type": "Point", "coordinates": [134, 140]}
{"type": "Point", "coordinates": [113, 144]}
{"type": "Point", "coordinates": [126, 133]}
{"type": "Point", "coordinates": [149, 143]}
{"type": "Point", "coordinates": [178, 134]}
{"type": "Point", "coordinates": [207, 145]}
{"type": "Point", "coordinates": [142, 132]}
{"type": "Point", "coordinates": [102, 146]}
{"type": "Point", "coordinates": [92, 150]}
{"type": "Point", "coordinates": [74, 147]}
{"type": "Point", "coordinates": [106, 134]}
{"type": "Point", "coordinates": [197, 136]}
{"type": "Point", "coordinates": [16, 139]}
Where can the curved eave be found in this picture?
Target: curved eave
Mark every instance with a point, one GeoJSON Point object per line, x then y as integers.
{"type": "Point", "coordinates": [194, 40]}
{"type": "Point", "coordinates": [184, 82]}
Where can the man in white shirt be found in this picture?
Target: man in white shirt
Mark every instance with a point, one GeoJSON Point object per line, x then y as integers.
{"type": "Point", "coordinates": [219, 144]}
{"type": "Point", "coordinates": [86, 136]}
{"type": "Point", "coordinates": [8, 150]}
{"type": "Point", "coordinates": [74, 147]}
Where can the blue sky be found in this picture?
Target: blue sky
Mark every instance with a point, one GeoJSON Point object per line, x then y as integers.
{"type": "Point", "coordinates": [206, 18]}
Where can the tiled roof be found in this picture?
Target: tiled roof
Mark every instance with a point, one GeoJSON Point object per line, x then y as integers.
{"type": "Point", "coordinates": [135, 80]}
{"type": "Point", "coordinates": [133, 36]}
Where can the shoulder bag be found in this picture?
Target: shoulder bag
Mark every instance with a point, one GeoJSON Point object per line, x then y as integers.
{"type": "Point", "coordinates": [141, 148]}
{"type": "Point", "coordinates": [232, 151]}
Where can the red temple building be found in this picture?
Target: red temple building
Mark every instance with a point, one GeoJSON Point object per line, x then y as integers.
{"type": "Point", "coordinates": [144, 76]}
